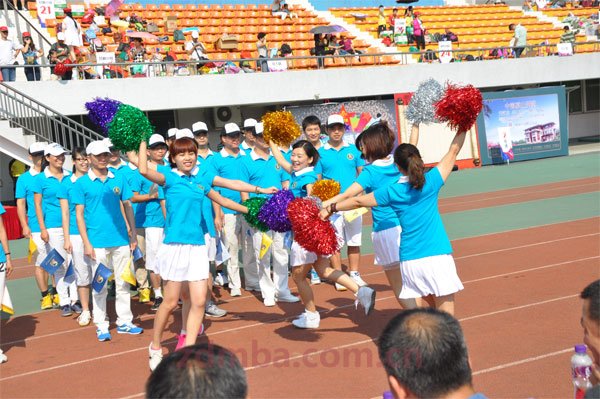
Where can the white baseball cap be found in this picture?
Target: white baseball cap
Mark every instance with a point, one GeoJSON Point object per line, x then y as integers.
{"type": "Point", "coordinates": [199, 127]}
{"type": "Point", "coordinates": [181, 133]}
{"type": "Point", "coordinates": [335, 119]}
{"type": "Point", "coordinates": [109, 144]}
{"type": "Point", "coordinates": [172, 132]}
{"type": "Point", "coordinates": [250, 122]}
{"type": "Point", "coordinates": [258, 129]}
{"type": "Point", "coordinates": [231, 128]}
{"type": "Point", "coordinates": [156, 139]}
{"type": "Point", "coordinates": [54, 149]}
{"type": "Point", "coordinates": [97, 147]}
{"type": "Point", "coordinates": [60, 36]}
{"type": "Point", "coordinates": [195, 34]}
{"type": "Point", "coordinates": [37, 147]}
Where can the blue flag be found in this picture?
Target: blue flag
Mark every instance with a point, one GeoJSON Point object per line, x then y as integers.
{"type": "Point", "coordinates": [70, 274]}
{"type": "Point", "coordinates": [52, 262]}
{"type": "Point", "coordinates": [137, 254]}
{"type": "Point", "coordinates": [101, 277]}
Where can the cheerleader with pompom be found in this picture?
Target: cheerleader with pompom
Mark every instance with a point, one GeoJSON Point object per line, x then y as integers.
{"type": "Point", "coordinates": [426, 263]}
{"type": "Point", "coordinates": [304, 158]}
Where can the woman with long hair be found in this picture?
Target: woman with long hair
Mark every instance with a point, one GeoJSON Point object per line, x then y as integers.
{"type": "Point", "coordinates": [30, 57]}
{"type": "Point", "coordinates": [72, 31]}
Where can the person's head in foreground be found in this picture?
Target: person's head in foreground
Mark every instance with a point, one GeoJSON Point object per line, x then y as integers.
{"type": "Point", "coordinates": [425, 356]}
{"type": "Point", "coordinates": [590, 321]}
{"type": "Point", "coordinates": [199, 371]}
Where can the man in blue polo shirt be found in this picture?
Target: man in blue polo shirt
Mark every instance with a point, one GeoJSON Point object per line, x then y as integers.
{"type": "Point", "coordinates": [226, 164]}
{"type": "Point", "coordinates": [205, 154]}
{"type": "Point", "coordinates": [138, 204]}
{"type": "Point", "coordinates": [261, 169]}
{"type": "Point", "coordinates": [342, 162]}
{"type": "Point", "coordinates": [29, 223]}
{"type": "Point", "coordinates": [98, 197]}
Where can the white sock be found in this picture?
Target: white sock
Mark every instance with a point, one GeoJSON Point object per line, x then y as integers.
{"type": "Point", "coordinates": [183, 332]}
{"type": "Point", "coordinates": [158, 292]}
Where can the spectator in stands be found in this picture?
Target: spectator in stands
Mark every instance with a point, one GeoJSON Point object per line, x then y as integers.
{"type": "Point", "coordinates": [519, 40]}
{"type": "Point", "coordinates": [72, 31]}
{"type": "Point", "coordinates": [568, 35]}
{"type": "Point", "coordinates": [198, 371]}
{"type": "Point", "coordinates": [196, 50]}
{"type": "Point", "coordinates": [19, 5]}
{"type": "Point", "coordinates": [408, 18]}
{"type": "Point", "coordinates": [449, 36]}
{"type": "Point", "coordinates": [123, 48]}
{"type": "Point", "coordinates": [288, 12]}
{"type": "Point", "coordinates": [590, 321]}
{"type": "Point", "coordinates": [244, 63]}
{"type": "Point", "coordinates": [347, 48]}
{"type": "Point", "coordinates": [30, 58]}
{"type": "Point", "coordinates": [263, 51]}
{"type": "Point", "coordinates": [526, 6]}
{"type": "Point", "coordinates": [418, 31]}
{"type": "Point", "coordinates": [9, 51]}
{"type": "Point", "coordinates": [277, 9]}
{"type": "Point", "coordinates": [380, 20]}
{"type": "Point", "coordinates": [138, 54]}
{"type": "Point", "coordinates": [60, 53]}
{"type": "Point", "coordinates": [425, 356]}
{"type": "Point", "coordinates": [392, 20]}
{"type": "Point", "coordinates": [322, 48]}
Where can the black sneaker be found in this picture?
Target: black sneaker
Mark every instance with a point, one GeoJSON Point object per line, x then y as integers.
{"type": "Point", "coordinates": [157, 301]}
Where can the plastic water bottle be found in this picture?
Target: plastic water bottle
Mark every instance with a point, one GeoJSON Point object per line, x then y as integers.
{"type": "Point", "coordinates": [581, 371]}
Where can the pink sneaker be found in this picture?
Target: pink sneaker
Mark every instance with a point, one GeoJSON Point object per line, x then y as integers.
{"type": "Point", "coordinates": [181, 338]}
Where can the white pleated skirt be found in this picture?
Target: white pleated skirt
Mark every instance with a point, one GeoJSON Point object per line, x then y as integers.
{"type": "Point", "coordinates": [433, 275]}
{"type": "Point", "coordinates": [182, 262]}
{"type": "Point", "coordinates": [386, 246]}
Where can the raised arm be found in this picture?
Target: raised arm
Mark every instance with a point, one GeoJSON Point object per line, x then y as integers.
{"type": "Point", "coordinates": [414, 135]}
{"type": "Point", "coordinates": [447, 163]}
{"type": "Point", "coordinates": [367, 201]}
{"type": "Point", "coordinates": [148, 169]}
{"type": "Point", "coordinates": [279, 158]}
{"type": "Point", "coordinates": [242, 186]}
{"type": "Point", "coordinates": [352, 191]}
{"type": "Point", "coordinates": [226, 202]}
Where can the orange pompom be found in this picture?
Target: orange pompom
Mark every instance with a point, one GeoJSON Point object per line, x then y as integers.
{"type": "Point", "coordinates": [280, 127]}
{"type": "Point", "coordinates": [326, 189]}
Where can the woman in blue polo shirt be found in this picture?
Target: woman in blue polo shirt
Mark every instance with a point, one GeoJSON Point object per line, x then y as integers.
{"type": "Point", "coordinates": [49, 217]}
{"type": "Point", "coordinates": [426, 263]}
{"type": "Point", "coordinates": [183, 257]}
{"type": "Point", "coordinates": [376, 144]}
{"type": "Point", "coordinates": [73, 242]}
{"type": "Point", "coordinates": [302, 177]}
{"type": "Point", "coordinates": [6, 266]}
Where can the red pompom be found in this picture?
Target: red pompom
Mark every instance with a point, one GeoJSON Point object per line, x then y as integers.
{"type": "Point", "coordinates": [459, 107]}
{"type": "Point", "coordinates": [310, 232]}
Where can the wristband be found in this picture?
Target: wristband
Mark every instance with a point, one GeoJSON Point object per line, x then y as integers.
{"type": "Point", "coordinates": [7, 253]}
{"type": "Point", "coordinates": [333, 208]}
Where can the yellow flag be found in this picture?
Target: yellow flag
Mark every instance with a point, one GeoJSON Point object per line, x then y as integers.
{"type": "Point", "coordinates": [351, 215]}
{"type": "Point", "coordinates": [32, 249]}
{"type": "Point", "coordinates": [127, 274]}
{"type": "Point", "coordinates": [7, 306]}
{"type": "Point", "coordinates": [265, 244]}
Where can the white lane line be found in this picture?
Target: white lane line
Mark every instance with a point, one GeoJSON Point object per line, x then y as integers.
{"type": "Point", "coordinates": [522, 361]}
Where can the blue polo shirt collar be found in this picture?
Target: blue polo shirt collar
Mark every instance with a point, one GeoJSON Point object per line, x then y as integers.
{"type": "Point", "coordinates": [208, 154]}
{"type": "Point", "coordinates": [48, 174]}
{"type": "Point", "coordinates": [303, 171]}
{"type": "Point", "coordinates": [93, 176]}
{"type": "Point", "coordinates": [403, 179]}
{"type": "Point", "coordinates": [225, 154]}
{"type": "Point", "coordinates": [33, 172]}
{"type": "Point", "coordinates": [245, 146]}
{"type": "Point", "coordinates": [73, 178]}
{"type": "Point", "coordinates": [387, 161]}
{"type": "Point", "coordinates": [328, 146]}
{"type": "Point", "coordinates": [255, 156]}
{"type": "Point", "coordinates": [193, 172]}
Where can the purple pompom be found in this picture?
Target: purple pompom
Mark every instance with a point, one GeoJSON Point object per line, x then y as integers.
{"type": "Point", "coordinates": [274, 212]}
{"type": "Point", "coordinates": [101, 112]}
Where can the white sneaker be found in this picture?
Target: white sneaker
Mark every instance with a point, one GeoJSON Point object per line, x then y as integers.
{"type": "Point", "coordinates": [357, 279]}
{"type": "Point", "coordinates": [219, 280]}
{"type": "Point", "coordinates": [269, 302]}
{"type": "Point", "coordinates": [235, 292]}
{"type": "Point", "coordinates": [3, 357]}
{"type": "Point", "coordinates": [314, 277]}
{"type": "Point", "coordinates": [287, 298]}
{"type": "Point", "coordinates": [84, 318]}
{"type": "Point", "coordinates": [307, 320]}
{"type": "Point", "coordinates": [155, 356]}
{"type": "Point", "coordinates": [340, 287]}
{"type": "Point", "coordinates": [366, 297]}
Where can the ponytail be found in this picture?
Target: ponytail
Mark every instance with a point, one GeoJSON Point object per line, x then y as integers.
{"type": "Point", "coordinates": [409, 161]}
{"type": "Point", "coordinates": [416, 176]}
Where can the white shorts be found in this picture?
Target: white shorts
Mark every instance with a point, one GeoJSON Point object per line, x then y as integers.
{"type": "Point", "coordinates": [211, 246]}
{"type": "Point", "coordinates": [182, 262]}
{"type": "Point", "coordinates": [386, 246]}
{"type": "Point", "coordinates": [349, 232]}
{"type": "Point", "coordinates": [433, 275]}
{"type": "Point", "coordinates": [154, 239]}
{"type": "Point", "coordinates": [300, 256]}
{"type": "Point", "coordinates": [83, 269]}
{"type": "Point", "coordinates": [41, 248]}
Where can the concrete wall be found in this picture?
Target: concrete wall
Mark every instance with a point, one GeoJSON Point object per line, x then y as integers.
{"type": "Point", "coordinates": [584, 125]}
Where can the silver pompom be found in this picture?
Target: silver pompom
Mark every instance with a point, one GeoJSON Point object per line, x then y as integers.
{"type": "Point", "coordinates": [421, 109]}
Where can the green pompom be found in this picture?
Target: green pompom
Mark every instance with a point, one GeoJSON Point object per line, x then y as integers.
{"type": "Point", "coordinates": [128, 128]}
{"type": "Point", "coordinates": [254, 205]}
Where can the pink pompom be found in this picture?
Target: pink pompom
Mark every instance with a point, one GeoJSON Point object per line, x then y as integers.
{"type": "Point", "coordinates": [459, 107]}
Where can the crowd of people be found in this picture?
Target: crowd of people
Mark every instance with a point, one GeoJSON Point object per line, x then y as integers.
{"type": "Point", "coordinates": [175, 211]}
